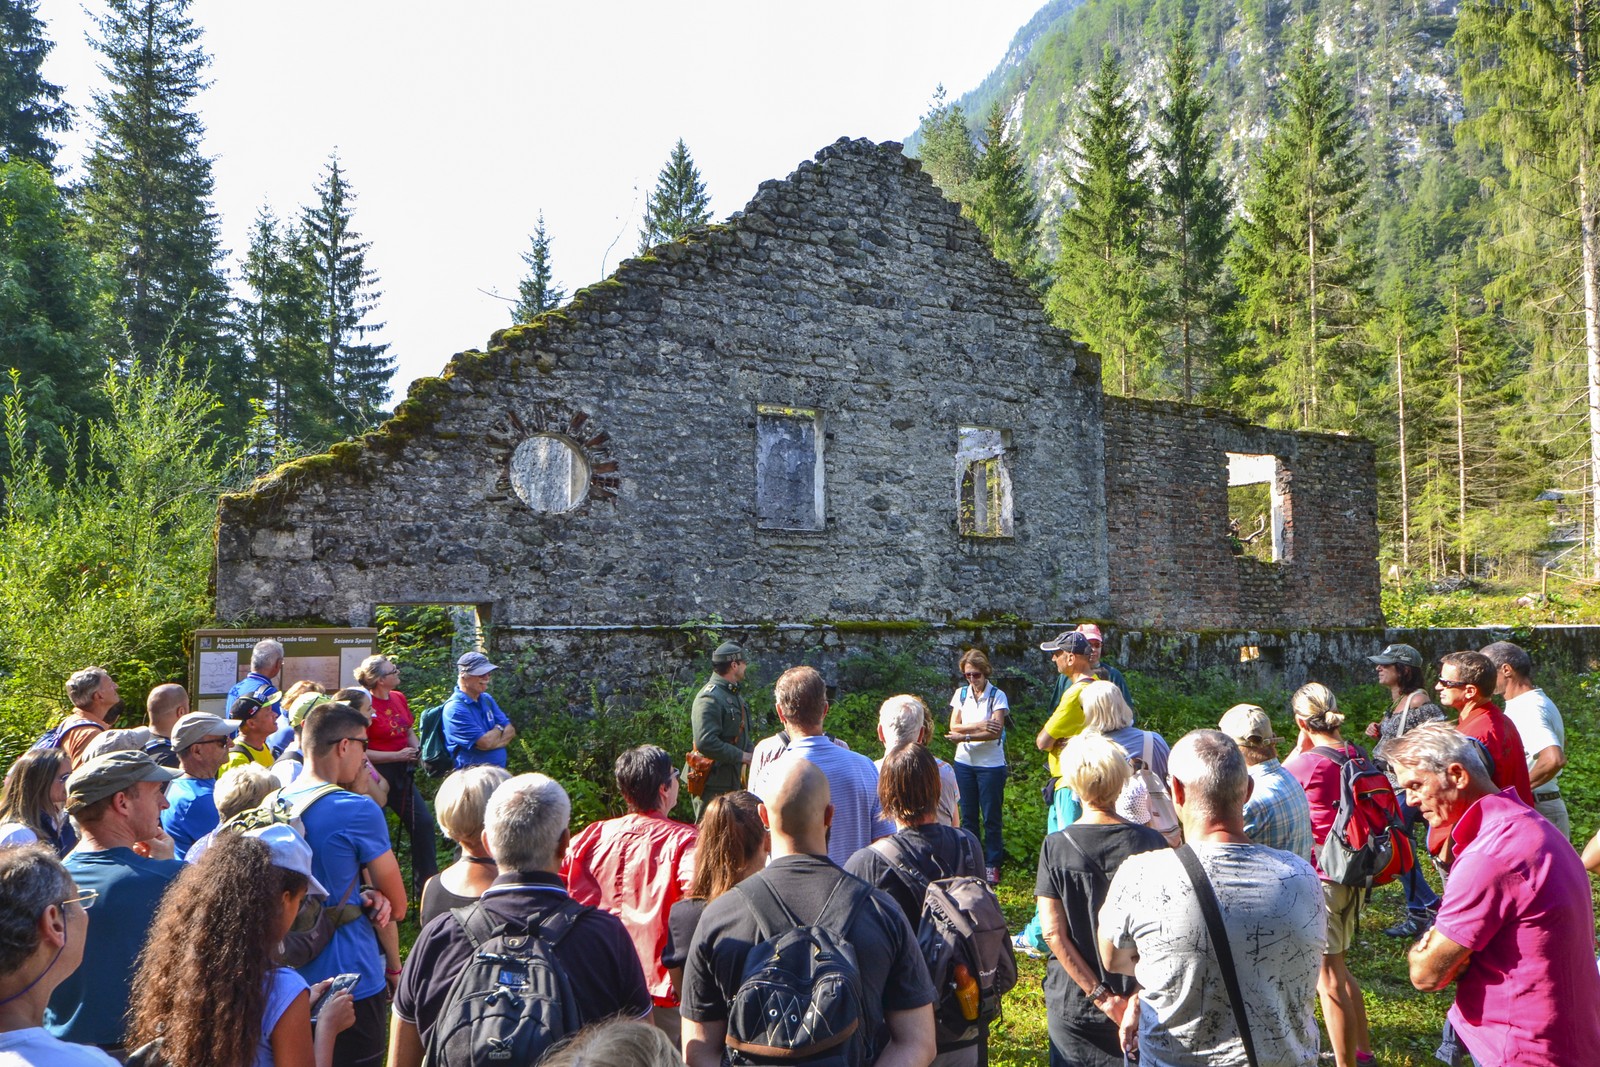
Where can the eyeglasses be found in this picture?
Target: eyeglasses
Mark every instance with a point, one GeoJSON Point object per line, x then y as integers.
{"type": "Point", "coordinates": [972, 674]}
{"type": "Point", "coordinates": [86, 897]}
{"type": "Point", "coordinates": [1449, 683]}
{"type": "Point", "coordinates": [390, 673]}
{"type": "Point", "coordinates": [362, 741]}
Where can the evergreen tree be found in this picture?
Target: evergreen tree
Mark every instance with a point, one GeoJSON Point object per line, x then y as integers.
{"type": "Point", "coordinates": [1192, 206]}
{"type": "Point", "coordinates": [1298, 262]}
{"type": "Point", "coordinates": [679, 202]}
{"type": "Point", "coordinates": [30, 107]}
{"type": "Point", "coordinates": [1529, 70]}
{"type": "Point", "coordinates": [944, 144]}
{"type": "Point", "coordinates": [537, 293]}
{"type": "Point", "coordinates": [48, 297]}
{"type": "Point", "coordinates": [279, 325]}
{"type": "Point", "coordinates": [1101, 290]}
{"type": "Point", "coordinates": [146, 200]}
{"type": "Point", "coordinates": [1004, 206]}
{"type": "Point", "coordinates": [335, 258]}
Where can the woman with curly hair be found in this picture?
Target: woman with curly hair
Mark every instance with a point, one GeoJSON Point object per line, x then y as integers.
{"type": "Point", "coordinates": [207, 987]}
{"type": "Point", "coordinates": [32, 800]}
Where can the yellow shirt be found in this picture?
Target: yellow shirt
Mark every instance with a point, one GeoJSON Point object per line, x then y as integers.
{"type": "Point", "coordinates": [263, 755]}
{"type": "Point", "coordinates": [1066, 721]}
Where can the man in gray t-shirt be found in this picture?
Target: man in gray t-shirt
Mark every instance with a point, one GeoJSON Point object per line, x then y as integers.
{"type": "Point", "coordinates": [1151, 927]}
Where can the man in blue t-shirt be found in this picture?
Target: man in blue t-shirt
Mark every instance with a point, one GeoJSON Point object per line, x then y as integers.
{"type": "Point", "coordinates": [475, 729]}
{"type": "Point", "coordinates": [266, 663]}
{"type": "Point", "coordinates": [201, 742]}
{"type": "Point", "coordinates": [124, 856]}
{"type": "Point", "coordinates": [801, 698]}
{"type": "Point", "coordinates": [347, 834]}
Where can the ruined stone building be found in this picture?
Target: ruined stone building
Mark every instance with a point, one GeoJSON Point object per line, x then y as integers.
{"type": "Point", "coordinates": [836, 409]}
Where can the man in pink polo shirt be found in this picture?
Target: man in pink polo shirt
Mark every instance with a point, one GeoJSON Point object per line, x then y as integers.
{"type": "Point", "coordinates": [1515, 930]}
{"type": "Point", "coordinates": [639, 865]}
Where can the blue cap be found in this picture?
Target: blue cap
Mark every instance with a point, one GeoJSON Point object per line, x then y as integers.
{"type": "Point", "coordinates": [475, 664]}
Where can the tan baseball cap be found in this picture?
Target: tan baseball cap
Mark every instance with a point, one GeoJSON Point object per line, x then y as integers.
{"type": "Point", "coordinates": [1247, 722]}
{"type": "Point", "coordinates": [112, 773]}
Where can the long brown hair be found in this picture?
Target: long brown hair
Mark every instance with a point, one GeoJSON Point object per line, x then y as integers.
{"type": "Point", "coordinates": [202, 978]}
{"type": "Point", "coordinates": [730, 835]}
{"type": "Point", "coordinates": [26, 795]}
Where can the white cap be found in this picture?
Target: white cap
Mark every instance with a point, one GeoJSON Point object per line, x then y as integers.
{"type": "Point", "coordinates": [289, 851]}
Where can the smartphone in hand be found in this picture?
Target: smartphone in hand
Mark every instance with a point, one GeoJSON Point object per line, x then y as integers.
{"type": "Point", "coordinates": [340, 983]}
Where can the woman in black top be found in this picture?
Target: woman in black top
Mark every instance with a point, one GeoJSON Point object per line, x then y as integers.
{"type": "Point", "coordinates": [908, 789]}
{"type": "Point", "coordinates": [459, 806]}
{"type": "Point", "coordinates": [1084, 1003]}
{"type": "Point", "coordinates": [731, 846]}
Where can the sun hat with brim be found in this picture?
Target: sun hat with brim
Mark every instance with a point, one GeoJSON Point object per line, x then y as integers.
{"type": "Point", "coordinates": [112, 773]}
{"type": "Point", "coordinates": [303, 705]}
{"type": "Point", "coordinates": [289, 851]}
{"type": "Point", "coordinates": [197, 726]}
{"type": "Point", "coordinates": [1397, 654]}
{"type": "Point", "coordinates": [1248, 722]}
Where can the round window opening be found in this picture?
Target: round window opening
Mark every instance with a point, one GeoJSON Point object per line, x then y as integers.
{"type": "Point", "coordinates": [550, 473]}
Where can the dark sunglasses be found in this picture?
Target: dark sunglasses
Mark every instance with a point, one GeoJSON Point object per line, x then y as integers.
{"type": "Point", "coordinates": [362, 741]}
{"type": "Point", "coordinates": [1446, 683]}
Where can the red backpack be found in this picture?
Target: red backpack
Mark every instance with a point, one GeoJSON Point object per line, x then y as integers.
{"type": "Point", "coordinates": [1367, 845]}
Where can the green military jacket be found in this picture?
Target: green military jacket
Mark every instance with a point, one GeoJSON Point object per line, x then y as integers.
{"type": "Point", "coordinates": [721, 722]}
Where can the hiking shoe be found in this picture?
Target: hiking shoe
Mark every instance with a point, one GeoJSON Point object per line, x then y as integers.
{"type": "Point", "coordinates": [1412, 926]}
{"type": "Point", "coordinates": [992, 875]}
{"type": "Point", "coordinates": [1026, 947]}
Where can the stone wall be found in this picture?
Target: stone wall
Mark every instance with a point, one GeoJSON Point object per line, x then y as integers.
{"type": "Point", "coordinates": [600, 465]}
{"type": "Point", "coordinates": [1167, 511]}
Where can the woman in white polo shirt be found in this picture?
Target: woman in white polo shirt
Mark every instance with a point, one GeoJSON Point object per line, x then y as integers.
{"type": "Point", "coordinates": [978, 726]}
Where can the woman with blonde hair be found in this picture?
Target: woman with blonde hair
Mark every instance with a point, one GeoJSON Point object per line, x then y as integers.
{"type": "Point", "coordinates": [978, 727]}
{"type": "Point", "coordinates": [1085, 1003]}
{"type": "Point", "coordinates": [462, 799]}
{"type": "Point", "coordinates": [1317, 764]}
{"type": "Point", "coordinates": [32, 802]}
{"type": "Point", "coordinates": [732, 845]}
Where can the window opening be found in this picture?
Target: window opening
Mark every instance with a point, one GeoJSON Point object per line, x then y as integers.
{"type": "Point", "coordinates": [550, 473]}
{"type": "Point", "coordinates": [1258, 507]}
{"type": "Point", "coordinates": [983, 493]}
{"type": "Point", "coordinates": [788, 468]}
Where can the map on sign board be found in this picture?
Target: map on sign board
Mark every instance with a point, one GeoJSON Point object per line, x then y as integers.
{"type": "Point", "coordinates": [326, 655]}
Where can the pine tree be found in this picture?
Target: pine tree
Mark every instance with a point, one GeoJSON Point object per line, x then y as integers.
{"type": "Point", "coordinates": [1101, 289]}
{"type": "Point", "coordinates": [335, 257]}
{"type": "Point", "coordinates": [537, 293]}
{"type": "Point", "coordinates": [1298, 259]}
{"type": "Point", "coordinates": [279, 325]}
{"type": "Point", "coordinates": [944, 144]}
{"type": "Point", "coordinates": [48, 297]}
{"type": "Point", "coordinates": [679, 202]}
{"type": "Point", "coordinates": [1529, 70]}
{"type": "Point", "coordinates": [146, 201]}
{"type": "Point", "coordinates": [1192, 206]}
{"type": "Point", "coordinates": [31, 108]}
{"type": "Point", "coordinates": [1004, 206]}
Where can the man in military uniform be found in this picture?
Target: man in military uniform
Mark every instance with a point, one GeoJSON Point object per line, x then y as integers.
{"type": "Point", "coordinates": [721, 721]}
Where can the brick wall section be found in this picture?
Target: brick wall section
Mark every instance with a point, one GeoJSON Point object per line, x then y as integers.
{"type": "Point", "coordinates": [1167, 515]}
{"type": "Point", "coordinates": [853, 288]}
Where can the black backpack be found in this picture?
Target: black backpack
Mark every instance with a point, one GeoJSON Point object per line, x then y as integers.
{"type": "Point", "coordinates": [511, 1003]}
{"type": "Point", "coordinates": [801, 996]}
{"type": "Point", "coordinates": [53, 737]}
{"type": "Point", "coordinates": [961, 924]}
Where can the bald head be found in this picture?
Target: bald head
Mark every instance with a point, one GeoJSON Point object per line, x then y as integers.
{"type": "Point", "coordinates": [165, 705]}
{"type": "Point", "coordinates": [797, 806]}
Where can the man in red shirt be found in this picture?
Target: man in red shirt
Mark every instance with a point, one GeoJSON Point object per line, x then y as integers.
{"type": "Point", "coordinates": [1466, 682]}
{"type": "Point", "coordinates": [638, 866]}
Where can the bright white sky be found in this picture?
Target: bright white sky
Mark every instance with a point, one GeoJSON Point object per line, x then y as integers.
{"type": "Point", "coordinates": [458, 123]}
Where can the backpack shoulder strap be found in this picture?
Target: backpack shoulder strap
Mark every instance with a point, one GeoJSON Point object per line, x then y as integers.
{"type": "Point", "coordinates": [838, 918]}
{"type": "Point", "coordinates": [766, 907]}
{"type": "Point", "coordinates": [894, 850]}
{"type": "Point", "coordinates": [1149, 747]}
{"type": "Point", "coordinates": [1327, 752]}
{"type": "Point", "coordinates": [1207, 898]}
{"type": "Point", "coordinates": [298, 810]}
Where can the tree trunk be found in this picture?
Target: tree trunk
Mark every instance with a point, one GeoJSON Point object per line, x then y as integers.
{"type": "Point", "coordinates": [1405, 480]}
{"type": "Point", "coordinates": [1311, 299]}
{"type": "Point", "coordinates": [1461, 438]}
{"type": "Point", "coordinates": [1589, 230]}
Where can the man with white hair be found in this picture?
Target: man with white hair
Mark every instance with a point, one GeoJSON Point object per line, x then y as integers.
{"type": "Point", "coordinates": [1515, 931]}
{"type": "Point", "coordinates": [526, 827]}
{"type": "Point", "coordinates": [1153, 927]}
{"type": "Point", "coordinates": [904, 720]}
{"type": "Point", "coordinates": [266, 664]}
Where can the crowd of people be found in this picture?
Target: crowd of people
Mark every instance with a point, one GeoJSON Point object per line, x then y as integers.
{"type": "Point", "coordinates": [222, 890]}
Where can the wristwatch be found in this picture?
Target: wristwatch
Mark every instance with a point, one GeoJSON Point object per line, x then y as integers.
{"type": "Point", "coordinates": [1097, 992]}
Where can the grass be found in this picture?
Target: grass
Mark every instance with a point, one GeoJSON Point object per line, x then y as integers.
{"type": "Point", "coordinates": [1404, 1023]}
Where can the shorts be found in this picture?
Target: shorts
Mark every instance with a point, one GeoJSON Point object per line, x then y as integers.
{"type": "Point", "coordinates": [1344, 911]}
